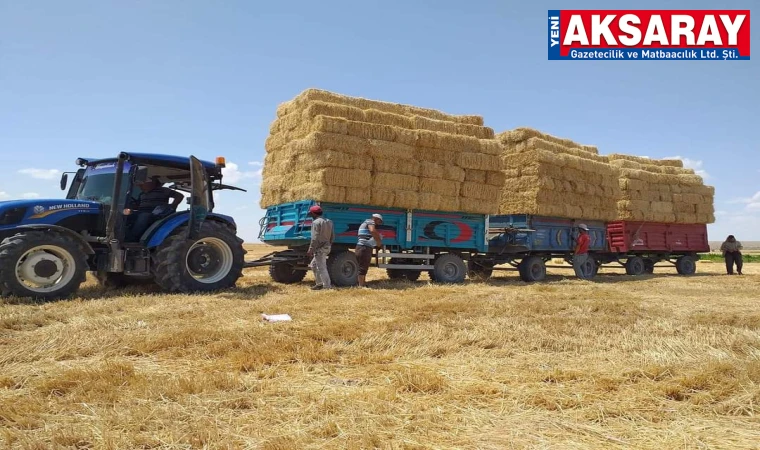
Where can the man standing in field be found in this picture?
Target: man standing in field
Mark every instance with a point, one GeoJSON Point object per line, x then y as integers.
{"type": "Point", "coordinates": [732, 252]}
{"type": "Point", "coordinates": [580, 255]}
{"type": "Point", "coordinates": [369, 238]}
{"type": "Point", "coordinates": [322, 238]}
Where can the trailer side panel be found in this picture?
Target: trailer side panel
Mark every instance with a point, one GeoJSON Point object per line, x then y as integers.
{"type": "Point", "coordinates": [642, 237]}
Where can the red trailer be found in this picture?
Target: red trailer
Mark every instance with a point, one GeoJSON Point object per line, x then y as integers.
{"type": "Point", "coordinates": [640, 245]}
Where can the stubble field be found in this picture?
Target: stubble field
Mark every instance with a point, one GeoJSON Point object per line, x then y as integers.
{"type": "Point", "coordinates": [659, 361]}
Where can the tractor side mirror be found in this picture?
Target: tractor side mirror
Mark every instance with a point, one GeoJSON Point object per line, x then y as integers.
{"type": "Point", "coordinates": [64, 181]}
{"type": "Point", "coordinates": [141, 175]}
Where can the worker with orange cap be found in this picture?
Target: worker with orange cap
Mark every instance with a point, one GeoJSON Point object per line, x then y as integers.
{"type": "Point", "coordinates": [322, 238]}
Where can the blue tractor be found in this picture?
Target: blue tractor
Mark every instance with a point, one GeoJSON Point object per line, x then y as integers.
{"type": "Point", "coordinates": [48, 246]}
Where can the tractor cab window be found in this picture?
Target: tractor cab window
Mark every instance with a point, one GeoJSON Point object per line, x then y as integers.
{"type": "Point", "coordinates": [98, 187]}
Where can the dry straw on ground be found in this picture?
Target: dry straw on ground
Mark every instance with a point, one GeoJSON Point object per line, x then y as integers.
{"type": "Point", "coordinates": [656, 362]}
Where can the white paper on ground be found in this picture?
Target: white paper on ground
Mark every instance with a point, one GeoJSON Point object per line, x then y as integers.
{"type": "Point", "coordinates": [276, 317]}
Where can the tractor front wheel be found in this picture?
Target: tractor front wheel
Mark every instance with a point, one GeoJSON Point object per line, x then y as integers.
{"type": "Point", "coordinates": [212, 261]}
{"type": "Point", "coordinates": [41, 265]}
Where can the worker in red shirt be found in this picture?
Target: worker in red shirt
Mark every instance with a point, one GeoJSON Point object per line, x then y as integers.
{"type": "Point", "coordinates": [580, 255]}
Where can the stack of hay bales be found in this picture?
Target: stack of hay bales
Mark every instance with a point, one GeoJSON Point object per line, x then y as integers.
{"type": "Point", "coordinates": [662, 191]}
{"type": "Point", "coordinates": [333, 148]}
{"type": "Point", "coordinates": [550, 176]}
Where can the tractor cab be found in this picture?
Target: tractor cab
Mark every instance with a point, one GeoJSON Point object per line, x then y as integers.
{"type": "Point", "coordinates": [48, 245]}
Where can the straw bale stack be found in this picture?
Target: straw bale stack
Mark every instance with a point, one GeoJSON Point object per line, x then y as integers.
{"type": "Point", "coordinates": [520, 135]}
{"type": "Point", "coordinates": [551, 176]}
{"type": "Point", "coordinates": [333, 148]}
{"type": "Point", "coordinates": [661, 191]}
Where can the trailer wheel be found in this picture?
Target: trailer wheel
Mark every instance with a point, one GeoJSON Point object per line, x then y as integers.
{"type": "Point", "coordinates": [532, 269]}
{"type": "Point", "coordinates": [41, 265]}
{"type": "Point", "coordinates": [343, 268]}
{"type": "Point", "coordinates": [686, 265]}
{"type": "Point", "coordinates": [478, 270]}
{"type": "Point", "coordinates": [592, 266]}
{"type": "Point", "coordinates": [403, 274]}
{"type": "Point", "coordinates": [449, 268]}
{"type": "Point", "coordinates": [649, 266]}
{"type": "Point", "coordinates": [635, 266]}
{"type": "Point", "coordinates": [286, 273]}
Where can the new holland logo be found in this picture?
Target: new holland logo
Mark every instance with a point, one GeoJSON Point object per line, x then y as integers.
{"type": "Point", "coordinates": [41, 211]}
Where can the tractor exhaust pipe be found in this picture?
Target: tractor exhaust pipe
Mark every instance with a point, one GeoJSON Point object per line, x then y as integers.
{"type": "Point", "coordinates": [116, 257]}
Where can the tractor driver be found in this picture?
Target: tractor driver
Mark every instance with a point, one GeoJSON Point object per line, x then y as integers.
{"type": "Point", "coordinates": [152, 203]}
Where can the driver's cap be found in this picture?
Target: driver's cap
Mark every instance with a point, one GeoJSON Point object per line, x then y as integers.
{"type": "Point", "coordinates": [377, 216]}
{"type": "Point", "coordinates": [583, 226]}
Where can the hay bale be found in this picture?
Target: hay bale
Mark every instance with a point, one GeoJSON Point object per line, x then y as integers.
{"type": "Point", "coordinates": [358, 196]}
{"type": "Point", "coordinates": [494, 178]}
{"type": "Point", "coordinates": [437, 155]}
{"type": "Point", "coordinates": [431, 170]}
{"type": "Point", "coordinates": [705, 208]}
{"type": "Point", "coordinates": [531, 183]}
{"type": "Point", "coordinates": [391, 150]}
{"type": "Point", "coordinates": [310, 95]}
{"type": "Point", "coordinates": [441, 187]}
{"type": "Point", "coordinates": [382, 197]}
{"type": "Point", "coordinates": [371, 131]}
{"type": "Point", "coordinates": [479, 191]}
{"type": "Point", "coordinates": [386, 118]}
{"type": "Point", "coordinates": [329, 158]}
{"type": "Point", "coordinates": [424, 123]}
{"type": "Point", "coordinates": [429, 201]}
{"type": "Point", "coordinates": [318, 191]}
{"type": "Point", "coordinates": [397, 166]}
{"type": "Point", "coordinates": [478, 161]}
{"type": "Point", "coordinates": [490, 147]}
{"type": "Point", "coordinates": [453, 173]}
{"type": "Point", "coordinates": [406, 200]}
{"type": "Point", "coordinates": [662, 207]}
{"type": "Point", "coordinates": [521, 134]}
{"type": "Point", "coordinates": [536, 143]}
{"type": "Point", "coordinates": [448, 203]}
{"type": "Point", "coordinates": [684, 208]}
{"type": "Point", "coordinates": [350, 178]}
{"type": "Point", "coordinates": [642, 160]}
{"type": "Point", "coordinates": [383, 180]}
{"type": "Point", "coordinates": [687, 218]}
{"type": "Point", "coordinates": [318, 141]}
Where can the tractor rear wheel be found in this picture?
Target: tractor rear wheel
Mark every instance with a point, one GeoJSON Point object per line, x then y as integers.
{"type": "Point", "coordinates": [41, 265]}
{"type": "Point", "coordinates": [212, 261]}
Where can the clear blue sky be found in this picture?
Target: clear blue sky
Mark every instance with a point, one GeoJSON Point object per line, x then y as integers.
{"type": "Point", "coordinates": [92, 78]}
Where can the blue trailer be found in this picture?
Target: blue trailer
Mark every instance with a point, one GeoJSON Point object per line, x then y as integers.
{"type": "Point", "coordinates": [528, 242]}
{"type": "Point", "coordinates": [413, 241]}
{"type": "Point", "coordinates": [448, 246]}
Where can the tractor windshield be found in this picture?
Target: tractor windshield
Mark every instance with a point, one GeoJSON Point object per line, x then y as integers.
{"type": "Point", "coordinates": [97, 184]}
